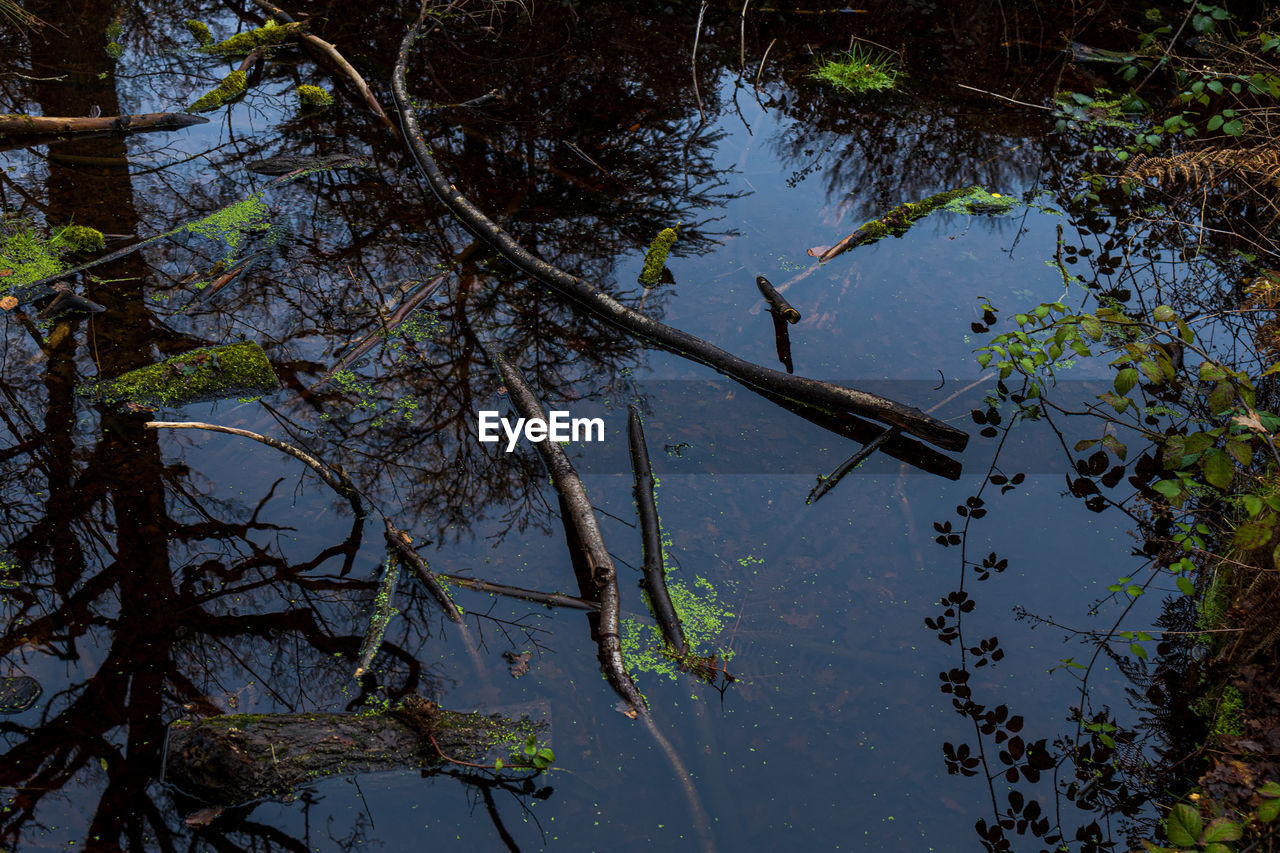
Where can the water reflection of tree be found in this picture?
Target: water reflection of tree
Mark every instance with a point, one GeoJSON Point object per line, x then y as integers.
{"type": "Point", "coordinates": [171, 600]}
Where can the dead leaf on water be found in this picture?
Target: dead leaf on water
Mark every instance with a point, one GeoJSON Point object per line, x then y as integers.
{"type": "Point", "coordinates": [204, 817]}
{"type": "Point", "coordinates": [8, 303]}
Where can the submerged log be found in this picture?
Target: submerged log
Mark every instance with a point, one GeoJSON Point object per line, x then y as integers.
{"type": "Point", "coordinates": [812, 392]}
{"type": "Point", "coordinates": [655, 575]}
{"type": "Point", "coordinates": [238, 758]}
{"type": "Point", "coordinates": [894, 223]}
{"type": "Point", "coordinates": [24, 125]}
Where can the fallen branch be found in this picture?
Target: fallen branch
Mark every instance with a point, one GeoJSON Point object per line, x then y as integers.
{"type": "Point", "coordinates": [335, 477]}
{"type": "Point", "coordinates": [24, 125]}
{"type": "Point", "coordinates": [382, 612]}
{"type": "Point", "coordinates": [655, 580]}
{"type": "Point", "coordinates": [777, 302]}
{"type": "Point", "coordinates": [826, 484]}
{"type": "Point", "coordinates": [582, 517]}
{"type": "Point", "coordinates": [238, 758]}
{"type": "Point", "coordinates": [336, 59]}
{"type": "Point", "coordinates": [813, 392]}
{"type": "Point", "coordinates": [402, 312]}
{"type": "Point", "coordinates": [397, 541]}
{"type": "Point", "coordinates": [894, 223]}
{"type": "Point", "coordinates": [551, 599]}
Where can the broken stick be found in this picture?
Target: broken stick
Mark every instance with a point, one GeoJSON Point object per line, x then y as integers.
{"type": "Point", "coordinates": [397, 541]}
{"type": "Point", "coordinates": [583, 519]}
{"type": "Point", "coordinates": [655, 579]}
{"type": "Point", "coordinates": [777, 302]}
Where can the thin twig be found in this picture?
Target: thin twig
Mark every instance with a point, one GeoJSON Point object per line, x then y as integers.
{"type": "Point", "coordinates": [334, 477]}
{"type": "Point", "coordinates": [1003, 98]}
{"type": "Point", "coordinates": [693, 62]}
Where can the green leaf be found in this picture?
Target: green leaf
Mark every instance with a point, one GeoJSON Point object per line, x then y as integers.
{"type": "Point", "coordinates": [1197, 443]}
{"type": "Point", "coordinates": [1185, 586]}
{"type": "Point", "coordinates": [1241, 449]}
{"type": "Point", "coordinates": [497, 764]}
{"type": "Point", "coordinates": [1138, 650]}
{"type": "Point", "coordinates": [1235, 127]}
{"type": "Point", "coordinates": [1252, 504]}
{"type": "Point", "coordinates": [1169, 489]}
{"type": "Point", "coordinates": [1218, 468]}
{"type": "Point", "coordinates": [1217, 848]}
{"type": "Point", "coordinates": [984, 358]}
{"type": "Point", "coordinates": [1211, 372]}
{"type": "Point", "coordinates": [1221, 396]}
{"type": "Point", "coordinates": [1133, 589]}
{"type": "Point", "coordinates": [1091, 326]}
{"type": "Point", "coordinates": [1216, 121]}
{"type": "Point", "coordinates": [1084, 444]}
{"type": "Point", "coordinates": [1268, 811]}
{"type": "Point", "coordinates": [1164, 314]}
{"type": "Point", "coordinates": [1252, 534]}
{"type": "Point", "coordinates": [1183, 826]}
{"type": "Point", "coordinates": [1151, 370]}
{"type": "Point", "coordinates": [1110, 442]}
{"type": "Point", "coordinates": [1125, 380]}
{"type": "Point", "coordinates": [1222, 829]}
{"type": "Point", "coordinates": [1175, 447]}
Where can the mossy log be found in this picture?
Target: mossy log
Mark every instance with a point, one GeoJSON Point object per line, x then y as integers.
{"type": "Point", "coordinates": [196, 376]}
{"type": "Point", "coordinates": [238, 758]}
{"type": "Point", "coordinates": [895, 222]}
{"type": "Point", "coordinates": [24, 125]}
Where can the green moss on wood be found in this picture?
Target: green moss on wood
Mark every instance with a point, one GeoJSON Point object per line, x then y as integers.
{"type": "Point", "coordinates": [243, 43]}
{"type": "Point", "coordinates": [114, 49]}
{"type": "Point", "coordinates": [202, 375]}
{"type": "Point", "coordinates": [231, 87]}
{"type": "Point", "coordinates": [200, 32]}
{"type": "Point", "coordinates": [81, 238]}
{"type": "Point", "coordinates": [656, 258]}
{"type": "Point", "coordinates": [314, 96]}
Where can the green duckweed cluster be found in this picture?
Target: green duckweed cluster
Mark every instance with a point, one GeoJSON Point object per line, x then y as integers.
{"type": "Point", "coordinates": [314, 96]}
{"type": "Point", "coordinates": [702, 616]}
{"type": "Point", "coordinates": [656, 258]}
{"type": "Point", "coordinates": [198, 376]}
{"type": "Point", "coordinates": [26, 256]}
{"type": "Point", "coordinates": [232, 224]}
{"type": "Point", "coordinates": [114, 49]}
{"type": "Point", "coordinates": [243, 43]}
{"type": "Point", "coordinates": [200, 32]}
{"type": "Point", "coordinates": [231, 87]}
{"type": "Point", "coordinates": [977, 200]}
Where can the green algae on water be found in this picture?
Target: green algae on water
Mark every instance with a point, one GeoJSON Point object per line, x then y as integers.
{"type": "Point", "coordinates": [230, 224]}
{"type": "Point", "coordinates": [29, 257]}
{"type": "Point", "coordinates": [656, 258]}
{"type": "Point", "coordinates": [81, 238]}
{"type": "Point", "coordinates": [231, 87]}
{"type": "Point", "coordinates": [703, 618]}
{"type": "Point", "coordinates": [198, 376]}
{"type": "Point", "coordinates": [978, 200]}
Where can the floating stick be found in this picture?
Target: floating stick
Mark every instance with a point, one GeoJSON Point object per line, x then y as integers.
{"type": "Point", "coordinates": [655, 579]}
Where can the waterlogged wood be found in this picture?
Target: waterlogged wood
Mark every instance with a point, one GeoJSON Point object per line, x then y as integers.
{"type": "Point", "coordinates": [777, 302]}
{"type": "Point", "coordinates": [397, 541]}
{"type": "Point", "coordinates": [812, 392]}
{"type": "Point", "coordinates": [655, 576]}
{"type": "Point", "coordinates": [381, 613]}
{"type": "Point", "coordinates": [238, 758]}
{"type": "Point", "coordinates": [582, 517]}
{"type": "Point", "coordinates": [551, 599]}
{"type": "Point", "coordinates": [826, 484]}
{"type": "Point", "coordinates": [896, 221]}
{"type": "Point", "coordinates": [24, 125]}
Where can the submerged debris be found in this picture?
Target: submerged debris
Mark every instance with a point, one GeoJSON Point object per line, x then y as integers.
{"type": "Point", "coordinates": [199, 376]}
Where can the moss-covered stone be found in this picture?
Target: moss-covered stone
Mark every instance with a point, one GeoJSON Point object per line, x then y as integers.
{"type": "Point", "coordinates": [200, 32]}
{"type": "Point", "coordinates": [198, 376]}
{"type": "Point", "coordinates": [231, 87]}
{"type": "Point", "coordinates": [243, 43]}
{"type": "Point", "coordinates": [314, 96]}
{"type": "Point", "coordinates": [656, 258]}
{"type": "Point", "coordinates": [81, 238]}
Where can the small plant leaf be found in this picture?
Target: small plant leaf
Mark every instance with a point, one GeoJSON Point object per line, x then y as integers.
{"type": "Point", "coordinates": [1183, 826]}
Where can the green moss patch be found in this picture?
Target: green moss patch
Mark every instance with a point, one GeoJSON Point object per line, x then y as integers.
{"type": "Point", "coordinates": [314, 96]}
{"type": "Point", "coordinates": [656, 258]}
{"type": "Point", "coordinates": [241, 44]}
{"type": "Point", "coordinates": [198, 376]}
{"type": "Point", "coordinates": [231, 87]}
{"type": "Point", "coordinates": [232, 224]}
{"type": "Point", "coordinates": [200, 32]}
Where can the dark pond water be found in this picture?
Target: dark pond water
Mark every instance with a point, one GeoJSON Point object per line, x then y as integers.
{"type": "Point", "coordinates": [162, 575]}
